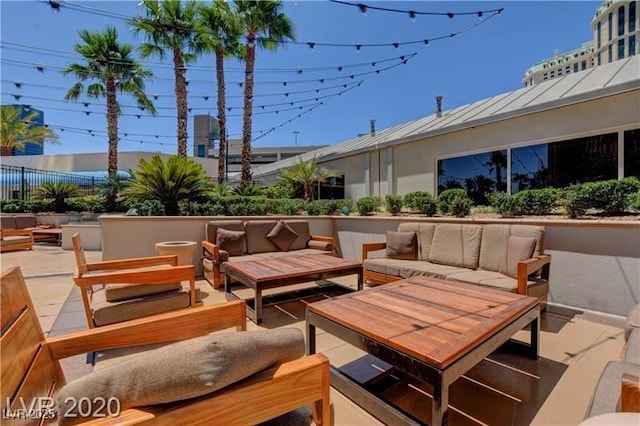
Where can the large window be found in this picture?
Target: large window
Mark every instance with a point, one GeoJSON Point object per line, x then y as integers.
{"type": "Point", "coordinates": [529, 168]}
{"type": "Point", "coordinates": [610, 23]}
{"type": "Point", "coordinates": [632, 16]}
{"type": "Point", "coordinates": [477, 174]}
{"type": "Point", "coordinates": [621, 49]}
{"type": "Point", "coordinates": [632, 153]}
{"type": "Point", "coordinates": [332, 188]}
{"type": "Point", "coordinates": [599, 36]}
{"type": "Point", "coordinates": [621, 20]}
{"type": "Point", "coordinates": [632, 45]}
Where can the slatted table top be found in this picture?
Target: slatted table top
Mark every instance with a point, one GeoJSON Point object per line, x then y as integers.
{"type": "Point", "coordinates": [270, 269]}
{"type": "Point", "coordinates": [432, 320]}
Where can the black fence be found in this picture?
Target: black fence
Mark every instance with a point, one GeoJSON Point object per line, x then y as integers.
{"type": "Point", "coordinates": [22, 183]}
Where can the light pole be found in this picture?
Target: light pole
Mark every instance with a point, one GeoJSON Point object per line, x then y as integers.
{"type": "Point", "coordinates": [296, 133]}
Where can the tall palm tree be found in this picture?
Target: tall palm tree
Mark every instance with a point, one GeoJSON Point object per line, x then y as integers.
{"type": "Point", "coordinates": [219, 30]}
{"type": "Point", "coordinates": [170, 25]}
{"type": "Point", "coordinates": [109, 68]}
{"type": "Point", "coordinates": [268, 28]}
{"type": "Point", "coordinates": [16, 130]}
{"type": "Point", "coordinates": [306, 173]}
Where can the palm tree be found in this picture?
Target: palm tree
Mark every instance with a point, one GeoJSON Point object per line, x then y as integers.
{"type": "Point", "coordinates": [110, 68]}
{"type": "Point", "coordinates": [267, 27]}
{"type": "Point", "coordinates": [218, 31]}
{"type": "Point", "coordinates": [306, 173]}
{"type": "Point", "coordinates": [170, 25]}
{"type": "Point", "coordinates": [16, 130]}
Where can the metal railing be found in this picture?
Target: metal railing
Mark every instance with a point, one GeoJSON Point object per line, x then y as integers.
{"type": "Point", "coordinates": [21, 183]}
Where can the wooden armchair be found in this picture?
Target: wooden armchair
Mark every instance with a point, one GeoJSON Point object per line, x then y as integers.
{"type": "Point", "coordinates": [16, 239]}
{"type": "Point", "coordinates": [121, 290]}
{"type": "Point", "coordinates": [30, 370]}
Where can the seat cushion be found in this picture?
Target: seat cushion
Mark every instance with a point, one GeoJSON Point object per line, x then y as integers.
{"type": "Point", "coordinates": [428, 269]}
{"type": "Point", "coordinates": [518, 249]}
{"type": "Point", "coordinates": [186, 369]}
{"type": "Point", "coordinates": [233, 242]}
{"type": "Point", "coordinates": [456, 245]}
{"type": "Point", "coordinates": [26, 221]}
{"type": "Point", "coordinates": [120, 292]}
{"type": "Point", "coordinates": [109, 313]}
{"type": "Point", "coordinates": [386, 266]}
{"type": "Point", "coordinates": [300, 227]}
{"type": "Point", "coordinates": [282, 236]}
{"type": "Point", "coordinates": [535, 287]}
{"type": "Point", "coordinates": [211, 228]}
{"type": "Point", "coordinates": [424, 231]}
{"type": "Point", "coordinates": [14, 239]}
{"type": "Point", "coordinates": [402, 245]}
{"type": "Point", "coordinates": [257, 241]}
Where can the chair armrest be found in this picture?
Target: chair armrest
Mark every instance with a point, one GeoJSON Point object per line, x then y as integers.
{"type": "Point", "coordinates": [167, 327]}
{"type": "Point", "coordinates": [138, 262]}
{"type": "Point", "coordinates": [210, 250]}
{"type": "Point", "coordinates": [630, 393]}
{"type": "Point", "coordinates": [529, 266]}
{"type": "Point", "coordinates": [324, 239]}
{"type": "Point", "coordinates": [368, 247]}
{"type": "Point", "coordinates": [137, 276]}
{"type": "Point", "coordinates": [10, 232]}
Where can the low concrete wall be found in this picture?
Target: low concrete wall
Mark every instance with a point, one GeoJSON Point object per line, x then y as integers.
{"type": "Point", "coordinates": [595, 264]}
{"type": "Point", "coordinates": [90, 235]}
{"type": "Point", "coordinates": [136, 236]}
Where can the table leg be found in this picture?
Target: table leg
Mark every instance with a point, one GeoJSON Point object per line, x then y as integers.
{"type": "Point", "coordinates": [535, 337]}
{"type": "Point", "coordinates": [440, 405]}
{"type": "Point", "coordinates": [311, 339]}
{"type": "Point", "coordinates": [258, 306]}
{"type": "Point", "coordinates": [360, 279]}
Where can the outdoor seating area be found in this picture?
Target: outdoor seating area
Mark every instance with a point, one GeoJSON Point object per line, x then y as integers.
{"type": "Point", "coordinates": [28, 222]}
{"type": "Point", "coordinates": [571, 352]}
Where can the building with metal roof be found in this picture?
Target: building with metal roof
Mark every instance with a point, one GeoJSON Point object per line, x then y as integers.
{"type": "Point", "coordinates": [583, 126]}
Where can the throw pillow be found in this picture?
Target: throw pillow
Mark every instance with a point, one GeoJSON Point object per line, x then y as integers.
{"type": "Point", "coordinates": [232, 242]}
{"type": "Point", "coordinates": [518, 249]}
{"type": "Point", "coordinates": [184, 370]}
{"type": "Point", "coordinates": [282, 235]}
{"type": "Point", "coordinates": [402, 245]}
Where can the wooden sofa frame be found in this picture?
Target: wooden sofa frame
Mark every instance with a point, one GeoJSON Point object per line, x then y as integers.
{"type": "Point", "coordinates": [30, 364]}
{"type": "Point", "coordinates": [25, 245]}
{"type": "Point", "coordinates": [212, 251]}
{"type": "Point", "coordinates": [525, 268]}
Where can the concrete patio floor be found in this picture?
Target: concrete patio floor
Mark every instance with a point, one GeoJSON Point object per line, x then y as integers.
{"type": "Point", "coordinates": [504, 389]}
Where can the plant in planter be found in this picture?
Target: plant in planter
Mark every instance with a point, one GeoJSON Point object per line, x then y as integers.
{"type": "Point", "coordinates": [366, 206]}
{"type": "Point", "coordinates": [455, 202]}
{"type": "Point", "coordinates": [169, 183]}
{"type": "Point", "coordinates": [59, 192]}
{"type": "Point", "coordinates": [421, 202]}
{"type": "Point", "coordinates": [394, 204]}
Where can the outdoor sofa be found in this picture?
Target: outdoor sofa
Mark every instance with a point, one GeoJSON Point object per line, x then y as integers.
{"type": "Point", "coordinates": [235, 240]}
{"type": "Point", "coordinates": [505, 257]}
{"type": "Point", "coordinates": [29, 222]}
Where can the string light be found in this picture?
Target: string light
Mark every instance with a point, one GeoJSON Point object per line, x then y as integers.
{"type": "Point", "coordinates": [412, 13]}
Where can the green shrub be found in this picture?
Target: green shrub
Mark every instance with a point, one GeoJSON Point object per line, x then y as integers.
{"type": "Point", "coordinates": [291, 207]}
{"type": "Point", "coordinates": [149, 208]}
{"type": "Point", "coordinates": [366, 206]}
{"type": "Point", "coordinates": [222, 190]}
{"type": "Point", "coordinates": [633, 201]}
{"type": "Point", "coordinates": [332, 206]}
{"type": "Point", "coordinates": [88, 203]}
{"type": "Point", "coordinates": [279, 190]}
{"type": "Point", "coordinates": [378, 202]}
{"type": "Point", "coordinates": [247, 207]}
{"type": "Point", "coordinates": [421, 202]}
{"type": "Point", "coordinates": [315, 208]}
{"type": "Point", "coordinates": [505, 204]}
{"type": "Point", "coordinates": [538, 201]}
{"type": "Point", "coordinates": [348, 203]}
{"type": "Point", "coordinates": [13, 206]}
{"type": "Point", "coordinates": [454, 197]}
{"type": "Point", "coordinates": [394, 204]}
{"type": "Point", "coordinates": [59, 192]}
{"type": "Point", "coordinates": [574, 200]}
{"type": "Point", "coordinates": [39, 206]}
{"type": "Point", "coordinates": [460, 206]}
{"type": "Point", "coordinates": [610, 196]}
{"type": "Point", "coordinates": [248, 190]}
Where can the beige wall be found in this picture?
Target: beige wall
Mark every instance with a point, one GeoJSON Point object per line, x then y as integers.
{"type": "Point", "coordinates": [354, 179]}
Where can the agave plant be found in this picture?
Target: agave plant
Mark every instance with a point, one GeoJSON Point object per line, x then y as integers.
{"type": "Point", "coordinates": [248, 190]}
{"type": "Point", "coordinates": [59, 192]}
{"type": "Point", "coordinates": [176, 180]}
{"type": "Point", "coordinates": [222, 190]}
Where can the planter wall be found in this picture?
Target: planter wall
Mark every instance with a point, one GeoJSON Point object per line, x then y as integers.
{"type": "Point", "coordinates": [90, 235]}
{"type": "Point", "coordinates": [595, 264]}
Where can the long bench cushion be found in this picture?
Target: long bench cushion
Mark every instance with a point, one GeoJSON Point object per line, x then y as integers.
{"type": "Point", "coordinates": [495, 243]}
{"type": "Point", "coordinates": [14, 239]}
{"type": "Point", "coordinates": [456, 245]}
{"type": "Point", "coordinates": [300, 227]}
{"type": "Point", "coordinates": [535, 288]}
{"type": "Point", "coordinates": [8, 222]}
{"type": "Point", "coordinates": [425, 236]}
{"type": "Point", "coordinates": [257, 241]}
{"type": "Point", "coordinates": [429, 269]}
{"type": "Point", "coordinates": [211, 228]}
{"type": "Point", "coordinates": [26, 221]}
{"type": "Point", "coordinates": [387, 266]}
{"type": "Point", "coordinates": [120, 292]}
{"type": "Point", "coordinates": [109, 313]}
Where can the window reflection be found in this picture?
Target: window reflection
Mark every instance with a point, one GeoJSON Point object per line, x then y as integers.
{"type": "Point", "coordinates": [632, 153]}
{"type": "Point", "coordinates": [477, 174]}
{"type": "Point", "coordinates": [529, 168]}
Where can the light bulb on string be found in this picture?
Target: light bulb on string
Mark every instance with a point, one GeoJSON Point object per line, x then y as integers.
{"type": "Point", "coordinates": [363, 9]}
{"type": "Point", "coordinates": [412, 16]}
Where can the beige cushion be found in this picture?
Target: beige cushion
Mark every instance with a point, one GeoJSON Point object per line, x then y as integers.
{"type": "Point", "coordinates": [300, 227]}
{"type": "Point", "coordinates": [518, 249]}
{"type": "Point", "coordinates": [495, 242]}
{"type": "Point", "coordinates": [257, 241]}
{"type": "Point", "coordinates": [7, 222]}
{"type": "Point", "coordinates": [13, 239]}
{"type": "Point", "coordinates": [211, 228]}
{"type": "Point", "coordinates": [186, 369]}
{"type": "Point", "coordinates": [386, 266]}
{"type": "Point", "coordinates": [233, 242]}
{"type": "Point", "coordinates": [320, 245]}
{"type": "Point", "coordinates": [109, 313]}
{"type": "Point", "coordinates": [402, 245]}
{"type": "Point", "coordinates": [119, 292]}
{"type": "Point", "coordinates": [456, 245]}
{"type": "Point", "coordinates": [428, 269]}
{"type": "Point", "coordinates": [282, 236]}
{"type": "Point", "coordinates": [425, 236]}
{"type": "Point", "coordinates": [535, 287]}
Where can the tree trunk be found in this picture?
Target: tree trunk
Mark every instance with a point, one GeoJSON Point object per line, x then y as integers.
{"type": "Point", "coordinates": [181, 101]}
{"type": "Point", "coordinates": [7, 150]}
{"type": "Point", "coordinates": [245, 178]}
{"type": "Point", "coordinates": [112, 126]}
{"type": "Point", "coordinates": [222, 117]}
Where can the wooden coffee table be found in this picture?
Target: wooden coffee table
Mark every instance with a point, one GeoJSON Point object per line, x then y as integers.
{"type": "Point", "coordinates": [282, 271]}
{"type": "Point", "coordinates": [430, 329]}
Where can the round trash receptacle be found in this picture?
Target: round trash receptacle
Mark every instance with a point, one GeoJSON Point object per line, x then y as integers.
{"type": "Point", "coordinates": [183, 249]}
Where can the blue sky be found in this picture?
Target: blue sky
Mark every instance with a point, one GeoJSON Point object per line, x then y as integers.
{"type": "Point", "coordinates": [482, 62]}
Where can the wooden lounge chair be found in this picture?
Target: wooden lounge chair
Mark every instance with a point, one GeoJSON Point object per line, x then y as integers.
{"type": "Point", "coordinates": [121, 290]}
{"type": "Point", "coordinates": [30, 367]}
{"type": "Point", "coordinates": [16, 239]}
